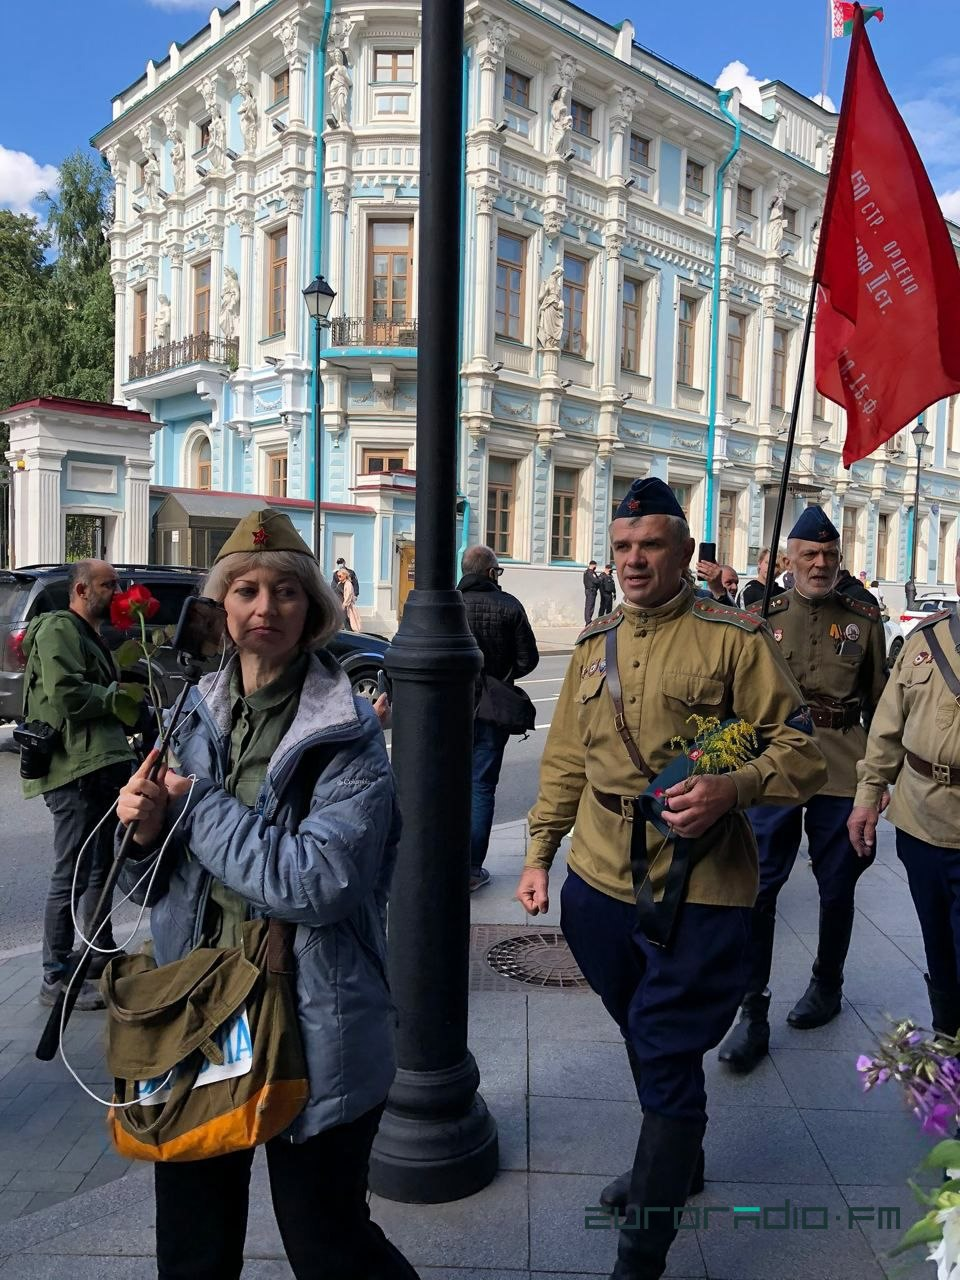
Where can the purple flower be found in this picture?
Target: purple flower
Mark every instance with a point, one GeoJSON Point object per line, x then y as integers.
{"type": "Point", "coordinates": [864, 1063]}
{"type": "Point", "coordinates": [940, 1118]}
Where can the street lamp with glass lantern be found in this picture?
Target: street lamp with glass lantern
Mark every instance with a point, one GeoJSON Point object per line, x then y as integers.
{"type": "Point", "coordinates": [920, 436]}
{"type": "Point", "coordinates": [319, 299]}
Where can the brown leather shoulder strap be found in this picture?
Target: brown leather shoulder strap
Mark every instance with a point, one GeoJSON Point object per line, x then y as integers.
{"type": "Point", "coordinates": [615, 690]}
{"type": "Point", "coordinates": [950, 677]}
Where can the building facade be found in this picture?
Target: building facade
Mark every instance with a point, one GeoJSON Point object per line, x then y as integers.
{"type": "Point", "coordinates": [592, 272]}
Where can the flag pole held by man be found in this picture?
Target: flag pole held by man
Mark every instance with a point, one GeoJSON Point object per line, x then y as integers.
{"type": "Point", "coordinates": [888, 317]}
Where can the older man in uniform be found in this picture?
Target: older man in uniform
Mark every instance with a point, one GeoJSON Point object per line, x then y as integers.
{"type": "Point", "coordinates": [657, 915]}
{"type": "Point", "coordinates": [915, 742]}
{"type": "Point", "coordinates": [835, 647]}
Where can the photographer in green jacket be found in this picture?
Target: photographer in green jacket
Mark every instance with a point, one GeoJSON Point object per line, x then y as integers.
{"type": "Point", "coordinates": [74, 752]}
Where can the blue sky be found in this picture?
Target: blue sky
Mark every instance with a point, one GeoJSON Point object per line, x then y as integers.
{"type": "Point", "coordinates": [62, 60]}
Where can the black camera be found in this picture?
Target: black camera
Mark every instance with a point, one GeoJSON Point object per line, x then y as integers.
{"type": "Point", "coordinates": [37, 742]}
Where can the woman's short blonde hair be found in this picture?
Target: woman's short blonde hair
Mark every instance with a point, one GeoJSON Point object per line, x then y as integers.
{"type": "Point", "coordinates": [325, 612]}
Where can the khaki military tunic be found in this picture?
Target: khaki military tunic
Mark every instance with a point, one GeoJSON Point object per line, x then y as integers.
{"type": "Point", "coordinates": [836, 649]}
{"type": "Point", "coordinates": [917, 713]}
{"type": "Point", "coordinates": [674, 660]}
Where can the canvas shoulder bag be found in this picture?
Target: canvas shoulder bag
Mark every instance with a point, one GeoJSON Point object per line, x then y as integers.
{"type": "Point", "coordinates": [206, 1049]}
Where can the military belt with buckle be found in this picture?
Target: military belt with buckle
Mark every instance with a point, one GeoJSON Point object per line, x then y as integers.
{"type": "Point", "coordinates": [945, 774]}
{"type": "Point", "coordinates": [622, 806]}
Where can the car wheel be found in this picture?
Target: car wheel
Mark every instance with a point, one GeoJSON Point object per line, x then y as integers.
{"type": "Point", "coordinates": [895, 650]}
{"type": "Point", "coordinates": [364, 685]}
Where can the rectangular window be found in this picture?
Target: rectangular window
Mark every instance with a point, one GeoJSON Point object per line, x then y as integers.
{"type": "Point", "coordinates": [509, 303]}
{"type": "Point", "coordinates": [883, 541]}
{"type": "Point", "coordinates": [790, 220]}
{"type": "Point", "coordinates": [781, 350]}
{"type": "Point", "coordinates": [375, 462]}
{"type": "Point", "coordinates": [389, 269]}
{"type": "Point", "coordinates": [819, 406]}
{"type": "Point", "coordinates": [140, 169]}
{"type": "Point", "coordinates": [203, 135]}
{"type": "Point", "coordinates": [139, 322]}
{"type": "Point", "coordinates": [277, 283]}
{"type": "Point", "coordinates": [682, 494]}
{"type": "Point", "coordinates": [943, 574]}
{"type": "Point", "coordinates": [516, 88]}
{"type": "Point", "coordinates": [736, 327]}
{"type": "Point", "coordinates": [393, 66]}
{"type": "Point", "coordinates": [744, 200]}
{"type": "Point", "coordinates": [280, 86]}
{"type": "Point", "coordinates": [277, 474]}
{"type": "Point", "coordinates": [640, 150]}
{"type": "Point", "coordinates": [726, 525]}
{"type": "Point", "coordinates": [630, 337]}
{"type": "Point", "coordinates": [686, 339]}
{"type": "Point", "coordinates": [848, 539]}
{"type": "Point", "coordinates": [201, 297]}
{"type": "Point", "coordinates": [574, 304]}
{"type": "Point", "coordinates": [582, 119]}
{"type": "Point", "coordinates": [619, 488]}
{"type": "Point", "coordinates": [695, 176]}
{"type": "Point", "coordinates": [501, 497]}
{"type": "Point", "coordinates": [564, 529]}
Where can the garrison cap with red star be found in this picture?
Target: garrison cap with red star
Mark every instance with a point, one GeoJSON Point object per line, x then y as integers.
{"type": "Point", "coordinates": [264, 530]}
{"type": "Point", "coordinates": [649, 497]}
{"type": "Point", "coordinates": [815, 526]}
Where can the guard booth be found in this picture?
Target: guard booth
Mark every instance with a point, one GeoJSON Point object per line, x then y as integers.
{"type": "Point", "coordinates": [190, 526]}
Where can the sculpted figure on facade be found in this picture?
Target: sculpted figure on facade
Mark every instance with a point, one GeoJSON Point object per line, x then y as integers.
{"type": "Point", "coordinates": [249, 114]}
{"type": "Point", "coordinates": [217, 145]}
{"type": "Point", "coordinates": [151, 179]}
{"type": "Point", "coordinates": [561, 126]}
{"type": "Point", "coordinates": [161, 321]}
{"type": "Point", "coordinates": [230, 303]}
{"type": "Point", "coordinates": [550, 310]}
{"type": "Point", "coordinates": [339, 88]}
{"type": "Point", "coordinates": [340, 31]}
{"type": "Point", "coordinates": [178, 161]}
{"type": "Point", "coordinates": [778, 217]}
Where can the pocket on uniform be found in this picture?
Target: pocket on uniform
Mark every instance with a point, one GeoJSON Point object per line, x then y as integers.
{"type": "Point", "coordinates": [590, 686]}
{"type": "Point", "coordinates": [913, 675]}
{"type": "Point", "coordinates": [691, 689]}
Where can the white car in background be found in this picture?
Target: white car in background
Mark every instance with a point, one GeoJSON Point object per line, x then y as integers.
{"type": "Point", "coordinates": [923, 607]}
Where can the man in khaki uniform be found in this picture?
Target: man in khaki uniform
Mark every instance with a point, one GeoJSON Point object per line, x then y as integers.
{"type": "Point", "coordinates": [657, 916]}
{"type": "Point", "coordinates": [836, 650]}
{"type": "Point", "coordinates": [915, 743]}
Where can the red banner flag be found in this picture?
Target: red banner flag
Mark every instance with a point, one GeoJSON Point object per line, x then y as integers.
{"type": "Point", "coordinates": [888, 312]}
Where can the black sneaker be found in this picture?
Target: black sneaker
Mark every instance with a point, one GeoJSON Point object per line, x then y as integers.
{"type": "Point", "coordinates": [88, 1000]}
{"type": "Point", "coordinates": [479, 878]}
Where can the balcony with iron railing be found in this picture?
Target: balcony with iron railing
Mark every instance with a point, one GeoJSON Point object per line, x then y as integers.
{"type": "Point", "coordinates": [359, 331]}
{"type": "Point", "coordinates": [196, 348]}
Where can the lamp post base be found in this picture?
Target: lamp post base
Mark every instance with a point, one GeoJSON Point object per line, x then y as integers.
{"type": "Point", "coordinates": [437, 1140]}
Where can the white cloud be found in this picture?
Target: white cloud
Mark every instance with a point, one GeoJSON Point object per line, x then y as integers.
{"type": "Point", "coordinates": [950, 204]}
{"type": "Point", "coordinates": [824, 100]}
{"type": "Point", "coordinates": [22, 180]}
{"type": "Point", "coordinates": [736, 75]}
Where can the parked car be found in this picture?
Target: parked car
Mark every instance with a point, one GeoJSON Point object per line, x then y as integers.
{"type": "Point", "coordinates": [893, 631]}
{"type": "Point", "coordinates": [923, 606]}
{"type": "Point", "coordinates": [35, 589]}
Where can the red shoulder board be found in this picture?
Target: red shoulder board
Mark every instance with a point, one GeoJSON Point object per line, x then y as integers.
{"type": "Point", "coordinates": [599, 625]}
{"type": "Point", "coordinates": [714, 611]}
{"type": "Point", "coordinates": [858, 606]}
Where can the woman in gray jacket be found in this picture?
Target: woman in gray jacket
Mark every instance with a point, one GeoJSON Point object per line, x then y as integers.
{"type": "Point", "coordinates": [292, 816]}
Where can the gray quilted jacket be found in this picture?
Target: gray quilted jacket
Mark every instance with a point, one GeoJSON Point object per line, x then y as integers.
{"type": "Point", "coordinates": [317, 850]}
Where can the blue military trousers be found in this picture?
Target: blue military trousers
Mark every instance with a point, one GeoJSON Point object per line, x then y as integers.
{"type": "Point", "coordinates": [672, 1004]}
{"type": "Point", "coordinates": [933, 874]}
{"type": "Point", "coordinates": [779, 828]}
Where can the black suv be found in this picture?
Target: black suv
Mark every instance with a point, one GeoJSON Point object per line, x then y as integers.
{"type": "Point", "coordinates": [35, 589]}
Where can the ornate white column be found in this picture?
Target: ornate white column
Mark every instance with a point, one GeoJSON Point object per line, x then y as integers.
{"type": "Point", "coordinates": [216, 277]}
{"type": "Point", "coordinates": [611, 313]}
{"type": "Point", "coordinates": [765, 407]}
{"type": "Point", "coordinates": [136, 503]}
{"type": "Point", "coordinates": [176, 292]}
{"type": "Point", "coordinates": [490, 51]}
{"type": "Point", "coordinates": [292, 35]}
{"type": "Point", "coordinates": [245, 220]}
{"type": "Point", "coordinates": [119, 278]}
{"type": "Point", "coordinates": [482, 287]}
{"type": "Point", "coordinates": [295, 305]}
{"type": "Point", "coordinates": [339, 204]}
{"type": "Point", "coordinates": [152, 264]}
{"type": "Point", "coordinates": [39, 524]}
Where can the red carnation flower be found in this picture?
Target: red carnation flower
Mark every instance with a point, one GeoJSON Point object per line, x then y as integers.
{"type": "Point", "coordinates": [127, 607]}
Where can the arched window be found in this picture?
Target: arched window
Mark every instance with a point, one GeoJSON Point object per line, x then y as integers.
{"type": "Point", "coordinates": [201, 464]}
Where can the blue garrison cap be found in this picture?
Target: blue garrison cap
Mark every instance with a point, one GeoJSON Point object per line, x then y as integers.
{"type": "Point", "coordinates": [648, 497]}
{"type": "Point", "coordinates": [815, 526]}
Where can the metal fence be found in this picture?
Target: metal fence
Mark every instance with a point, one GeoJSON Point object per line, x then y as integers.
{"type": "Point", "coordinates": [358, 331]}
{"type": "Point", "coordinates": [197, 348]}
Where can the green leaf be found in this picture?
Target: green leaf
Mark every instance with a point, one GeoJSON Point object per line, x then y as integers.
{"type": "Point", "coordinates": [922, 1194]}
{"type": "Point", "coordinates": [158, 636]}
{"type": "Point", "coordinates": [945, 1155]}
{"type": "Point", "coordinates": [926, 1231]}
{"type": "Point", "coordinates": [129, 653]}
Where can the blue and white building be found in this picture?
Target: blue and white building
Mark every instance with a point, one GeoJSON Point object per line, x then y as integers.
{"type": "Point", "coordinates": [595, 260]}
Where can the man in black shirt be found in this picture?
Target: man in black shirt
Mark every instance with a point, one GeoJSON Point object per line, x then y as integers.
{"type": "Point", "coordinates": [608, 590]}
{"type": "Point", "coordinates": [591, 585]}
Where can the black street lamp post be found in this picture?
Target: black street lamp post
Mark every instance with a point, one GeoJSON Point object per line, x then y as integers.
{"type": "Point", "coordinates": [920, 435]}
{"type": "Point", "coordinates": [437, 1140]}
{"type": "Point", "coordinates": [319, 299]}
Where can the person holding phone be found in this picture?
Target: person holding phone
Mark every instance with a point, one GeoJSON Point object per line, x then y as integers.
{"type": "Point", "coordinates": [721, 579]}
{"type": "Point", "coordinates": [292, 814]}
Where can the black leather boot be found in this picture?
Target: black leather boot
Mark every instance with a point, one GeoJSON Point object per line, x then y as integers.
{"type": "Point", "coordinates": [749, 1041]}
{"type": "Point", "coordinates": [663, 1168]}
{"type": "Point", "coordinates": [944, 1007]}
{"type": "Point", "coordinates": [615, 1194]}
{"type": "Point", "coordinates": [821, 1001]}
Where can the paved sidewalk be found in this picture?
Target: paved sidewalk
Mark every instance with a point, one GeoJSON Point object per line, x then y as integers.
{"type": "Point", "coordinates": [798, 1133]}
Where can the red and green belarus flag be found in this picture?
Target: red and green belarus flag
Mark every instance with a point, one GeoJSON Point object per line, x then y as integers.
{"type": "Point", "coordinates": [843, 16]}
{"type": "Point", "coordinates": [888, 312]}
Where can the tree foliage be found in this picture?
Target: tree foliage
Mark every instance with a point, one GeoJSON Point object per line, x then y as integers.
{"type": "Point", "coordinates": [56, 296]}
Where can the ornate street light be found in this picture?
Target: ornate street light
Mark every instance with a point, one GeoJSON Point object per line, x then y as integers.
{"type": "Point", "coordinates": [920, 436]}
{"type": "Point", "coordinates": [319, 299]}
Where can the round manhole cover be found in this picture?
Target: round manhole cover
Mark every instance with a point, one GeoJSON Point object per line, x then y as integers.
{"type": "Point", "coordinates": [542, 959]}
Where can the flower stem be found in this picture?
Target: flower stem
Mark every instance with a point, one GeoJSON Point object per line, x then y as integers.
{"type": "Point", "coordinates": [146, 658]}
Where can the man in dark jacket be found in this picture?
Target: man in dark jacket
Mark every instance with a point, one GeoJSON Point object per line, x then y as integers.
{"type": "Point", "coordinates": [591, 585]}
{"type": "Point", "coordinates": [608, 590]}
{"type": "Point", "coordinates": [70, 683]}
{"type": "Point", "coordinates": [500, 627]}
{"type": "Point", "coordinates": [854, 588]}
{"type": "Point", "coordinates": [338, 585]}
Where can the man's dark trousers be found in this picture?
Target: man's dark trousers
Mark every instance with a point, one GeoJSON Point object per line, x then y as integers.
{"type": "Point", "coordinates": [77, 807]}
{"type": "Point", "coordinates": [489, 744]}
{"type": "Point", "coordinates": [589, 603]}
{"type": "Point", "coordinates": [778, 829]}
{"type": "Point", "coordinates": [933, 874]}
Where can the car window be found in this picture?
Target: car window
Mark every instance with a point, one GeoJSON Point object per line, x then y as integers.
{"type": "Point", "coordinates": [14, 597]}
{"type": "Point", "coordinates": [171, 597]}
